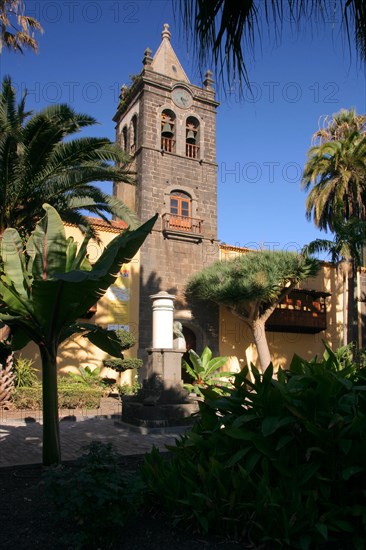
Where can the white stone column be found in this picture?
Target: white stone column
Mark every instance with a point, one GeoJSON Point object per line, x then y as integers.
{"type": "Point", "coordinates": [163, 313]}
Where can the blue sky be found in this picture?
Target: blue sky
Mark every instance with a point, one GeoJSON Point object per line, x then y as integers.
{"type": "Point", "coordinates": [90, 48]}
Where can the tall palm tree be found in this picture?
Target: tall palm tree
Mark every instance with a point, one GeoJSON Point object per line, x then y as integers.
{"type": "Point", "coordinates": [40, 163]}
{"type": "Point", "coordinates": [335, 173]}
{"type": "Point", "coordinates": [339, 126]}
{"type": "Point", "coordinates": [225, 32]}
{"type": "Point", "coordinates": [17, 28]}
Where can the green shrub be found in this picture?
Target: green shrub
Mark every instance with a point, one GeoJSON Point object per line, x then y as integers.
{"type": "Point", "coordinates": [280, 462]}
{"type": "Point", "coordinates": [97, 497]}
{"type": "Point", "coordinates": [126, 340]}
{"type": "Point", "coordinates": [72, 396]}
{"type": "Point", "coordinates": [87, 376]}
{"type": "Point", "coordinates": [25, 373]}
{"type": "Point", "coordinates": [205, 371]}
{"type": "Point", "coordinates": [129, 389]}
{"type": "Point", "coordinates": [121, 365]}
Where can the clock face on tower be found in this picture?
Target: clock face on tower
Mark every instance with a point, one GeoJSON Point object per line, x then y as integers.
{"type": "Point", "coordinates": [181, 97]}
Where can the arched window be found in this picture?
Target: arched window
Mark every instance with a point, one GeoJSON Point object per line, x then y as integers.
{"type": "Point", "coordinates": [180, 211]}
{"type": "Point", "coordinates": [124, 138]}
{"type": "Point", "coordinates": [168, 131]}
{"type": "Point", "coordinates": [133, 135]}
{"type": "Point", "coordinates": [192, 138]}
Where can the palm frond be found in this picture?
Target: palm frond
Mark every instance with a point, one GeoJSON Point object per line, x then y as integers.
{"type": "Point", "coordinates": [224, 32]}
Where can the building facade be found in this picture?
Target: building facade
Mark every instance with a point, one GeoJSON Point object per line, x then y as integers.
{"type": "Point", "coordinates": [168, 126]}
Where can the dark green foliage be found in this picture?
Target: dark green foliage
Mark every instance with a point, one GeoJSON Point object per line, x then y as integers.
{"type": "Point", "coordinates": [41, 161]}
{"type": "Point", "coordinates": [260, 276]}
{"type": "Point", "coordinates": [96, 498]}
{"type": "Point", "coordinates": [121, 365]}
{"type": "Point", "coordinates": [126, 340]}
{"type": "Point", "coordinates": [70, 396]}
{"type": "Point", "coordinates": [280, 461]}
{"type": "Point", "coordinates": [205, 371]}
{"type": "Point", "coordinates": [129, 389]}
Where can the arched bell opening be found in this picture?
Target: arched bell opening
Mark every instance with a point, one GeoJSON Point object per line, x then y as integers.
{"type": "Point", "coordinates": [192, 137]}
{"type": "Point", "coordinates": [168, 131]}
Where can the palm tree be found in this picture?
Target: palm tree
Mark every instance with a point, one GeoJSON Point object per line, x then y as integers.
{"type": "Point", "coordinates": [39, 163]}
{"type": "Point", "coordinates": [339, 126]}
{"type": "Point", "coordinates": [225, 32]}
{"type": "Point", "coordinates": [17, 29]}
{"type": "Point", "coordinates": [336, 173]}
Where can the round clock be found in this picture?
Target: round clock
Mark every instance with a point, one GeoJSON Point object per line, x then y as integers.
{"type": "Point", "coordinates": [182, 98]}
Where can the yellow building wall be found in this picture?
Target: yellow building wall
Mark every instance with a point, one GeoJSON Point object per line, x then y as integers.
{"type": "Point", "coordinates": [236, 340]}
{"type": "Point", "coordinates": [118, 308]}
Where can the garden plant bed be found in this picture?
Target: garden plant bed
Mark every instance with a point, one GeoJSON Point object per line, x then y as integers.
{"type": "Point", "coordinates": [28, 518]}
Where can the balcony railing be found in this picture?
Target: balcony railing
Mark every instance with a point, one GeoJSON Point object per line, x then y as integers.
{"type": "Point", "coordinates": [192, 151]}
{"type": "Point", "coordinates": [167, 144]}
{"type": "Point", "coordinates": [184, 224]}
{"type": "Point", "coordinates": [302, 311]}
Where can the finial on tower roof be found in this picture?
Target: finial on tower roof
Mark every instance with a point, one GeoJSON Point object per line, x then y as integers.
{"type": "Point", "coordinates": [166, 33]}
{"type": "Point", "coordinates": [147, 57]}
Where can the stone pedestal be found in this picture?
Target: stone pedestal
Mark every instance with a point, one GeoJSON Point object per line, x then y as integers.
{"type": "Point", "coordinates": [162, 400]}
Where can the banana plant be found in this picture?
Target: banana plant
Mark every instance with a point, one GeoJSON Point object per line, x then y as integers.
{"type": "Point", "coordinates": [205, 371]}
{"type": "Point", "coordinates": [45, 289]}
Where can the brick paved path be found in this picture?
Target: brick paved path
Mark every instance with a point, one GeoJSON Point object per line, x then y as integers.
{"type": "Point", "coordinates": [21, 440]}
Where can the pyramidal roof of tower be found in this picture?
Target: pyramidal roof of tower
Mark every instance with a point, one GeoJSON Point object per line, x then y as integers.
{"type": "Point", "coordinates": [165, 60]}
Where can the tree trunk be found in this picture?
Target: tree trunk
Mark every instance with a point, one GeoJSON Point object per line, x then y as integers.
{"type": "Point", "coordinates": [345, 307]}
{"type": "Point", "coordinates": [352, 305]}
{"type": "Point", "coordinates": [51, 430]}
{"type": "Point", "coordinates": [260, 339]}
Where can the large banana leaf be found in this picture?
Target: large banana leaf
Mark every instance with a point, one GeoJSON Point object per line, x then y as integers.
{"type": "Point", "coordinates": [61, 300]}
{"type": "Point", "coordinates": [47, 246]}
{"type": "Point", "coordinates": [43, 300]}
{"type": "Point", "coordinates": [14, 262]}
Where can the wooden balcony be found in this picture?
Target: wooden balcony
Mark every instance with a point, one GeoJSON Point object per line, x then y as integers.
{"type": "Point", "coordinates": [167, 144]}
{"type": "Point", "coordinates": [192, 151]}
{"type": "Point", "coordinates": [182, 227]}
{"type": "Point", "coordinates": [302, 311]}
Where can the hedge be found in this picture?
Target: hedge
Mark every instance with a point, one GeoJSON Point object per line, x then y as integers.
{"type": "Point", "coordinates": [73, 396]}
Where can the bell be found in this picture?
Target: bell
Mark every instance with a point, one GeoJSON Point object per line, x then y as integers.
{"type": "Point", "coordinates": [167, 130]}
{"type": "Point", "coordinates": [191, 137]}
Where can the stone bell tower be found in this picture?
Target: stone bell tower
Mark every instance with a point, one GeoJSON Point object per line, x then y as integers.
{"type": "Point", "coordinates": [168, 126]}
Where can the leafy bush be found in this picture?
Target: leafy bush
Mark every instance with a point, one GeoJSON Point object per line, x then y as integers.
{"type": "Point", "coordinates": [97, 497]}
{"type": "Point", "coordinates": [204, 370]}
{"type": "Point", "coordinates": [129, 389]}
{"type": "Point", "coordinates": [87, 376]}
{"type": "Point", "coordinates": [126, 340]}
{"type": "Point", "coordinates": [279, 462]}
{"type": "Point", "coordinates": [72, 396]}
{"type": "Point", "coordinates": [121, 365]}
{"type": "Point", "coordinates": [25, 373]}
